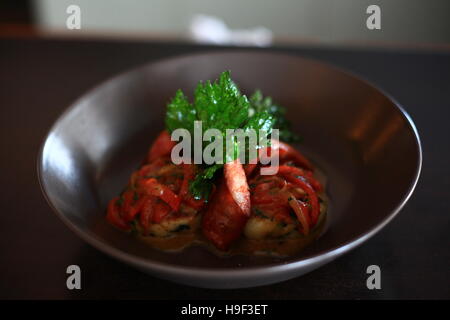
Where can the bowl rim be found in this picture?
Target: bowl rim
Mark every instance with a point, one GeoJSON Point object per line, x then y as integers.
{"type": "Point", "coordinates": [244, 271]}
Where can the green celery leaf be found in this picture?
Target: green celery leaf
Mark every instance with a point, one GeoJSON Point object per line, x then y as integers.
{"type": "Point", "coordinates": [220, 105]}
{"type": "Point", "coordinates": [259, 103]}
{"type": "Point", "coordinates": [180, 113]}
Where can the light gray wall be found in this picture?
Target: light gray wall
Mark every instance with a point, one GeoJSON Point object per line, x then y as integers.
{"type": "Point", "coordinates": [327, 21]}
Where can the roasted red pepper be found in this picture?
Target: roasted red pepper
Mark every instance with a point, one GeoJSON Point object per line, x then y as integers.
{"type": "Point", "coordinates": [290, 174]}
{"type": "Point", "coordinates": [154, 188]}
{"type": "Point", "coordinates": [114, 216]}
{"type": "Point", "coordinates": [161, 147]}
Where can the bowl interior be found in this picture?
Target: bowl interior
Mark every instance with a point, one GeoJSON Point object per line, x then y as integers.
{"type": "Point", "coordinates": [363, 143]}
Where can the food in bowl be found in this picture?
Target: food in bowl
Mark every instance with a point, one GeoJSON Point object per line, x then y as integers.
{"type": "Point", "coordinates": [232, 206]}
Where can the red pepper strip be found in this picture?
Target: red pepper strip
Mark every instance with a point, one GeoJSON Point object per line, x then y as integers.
{"type": "Point", "coordinates": [266, 190]}
{"type": "Point", "coordinates": [261, 193]}
{"type": "Point", "coordinates": [304, 173]}
{"type": "Point", "coordinates": [282, 213]}
{"type": "Point", "coordinates": [263, 187]}
{"type": "Point", "coordinates": [302, 214]}
{"type": "Point", "coordinates": [261, 199]}
{"type": "Point", "coordinates": [127, 200]}
{"type": "Point", "coordinates": [147, 212]}
{"type": "Point", "coordinates": [160, 211]}
{"type": "Point", "coordinates": [135, 208]}
{"type": "Point", "coordinates": [154, 188]}
{"type": "Point", "coordinates": [194, 203]}
{"type": "Point", "coordinates": [287, 172]}
{"type": "Point", "coordinates": [306, 209]}
{"type": "Point", "coordinates": [161, 147]}
{"type": "Point", "coordinates": [286, 152]}
{"type": "Point", "coordinates": [113, 215]}
{"type": "Point", "coordinates": [151, 167]}
{"type": "Point", "coordinates": [313, 181]}
{"type": "Point", "coordinates": [249, 168]}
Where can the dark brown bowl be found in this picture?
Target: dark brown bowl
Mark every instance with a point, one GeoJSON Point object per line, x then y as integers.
{"type": "Point", "coordinates": [359, 137]}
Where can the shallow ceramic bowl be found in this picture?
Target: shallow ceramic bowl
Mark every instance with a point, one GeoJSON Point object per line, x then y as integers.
{"type": "Point", "coordinates": [360, 138]}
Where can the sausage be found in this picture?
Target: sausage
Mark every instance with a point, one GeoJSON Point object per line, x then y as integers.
{"type": "Point", "coordinates": [224, 221]}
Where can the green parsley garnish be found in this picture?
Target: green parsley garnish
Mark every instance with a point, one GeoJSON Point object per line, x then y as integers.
{"type": "Point", "coordinates": [220, 105]}
{"type": "Point", "coordinates": [260, 103]}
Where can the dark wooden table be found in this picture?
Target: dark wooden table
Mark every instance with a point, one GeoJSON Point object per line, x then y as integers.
{"type": "Point", "coordinates": [39, 78]}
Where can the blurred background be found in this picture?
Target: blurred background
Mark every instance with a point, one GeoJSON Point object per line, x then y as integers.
{"type": "Point", "coordinates": [408, 23]}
